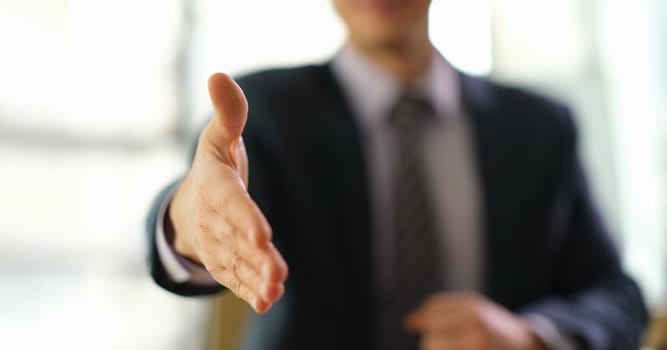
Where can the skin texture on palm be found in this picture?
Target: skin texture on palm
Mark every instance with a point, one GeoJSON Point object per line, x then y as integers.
{"type": "Point", "coordinates": [216, 222]}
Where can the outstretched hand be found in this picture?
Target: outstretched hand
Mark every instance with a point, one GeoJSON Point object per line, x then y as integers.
{"type": "Point", "coordinates": [216, 222]}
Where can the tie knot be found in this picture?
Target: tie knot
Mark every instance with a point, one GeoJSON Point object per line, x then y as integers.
{"type": "Point", "coordinates": [411, 110]}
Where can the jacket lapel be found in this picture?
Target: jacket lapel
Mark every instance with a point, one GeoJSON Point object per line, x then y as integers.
{"type": "Point", "coordinates": [344, 169]}
{"type": "Point", "coordinates": [492, 136]}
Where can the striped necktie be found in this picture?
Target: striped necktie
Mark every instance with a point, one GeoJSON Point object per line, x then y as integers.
{"type": "Point", "coordinates": [416, 263]}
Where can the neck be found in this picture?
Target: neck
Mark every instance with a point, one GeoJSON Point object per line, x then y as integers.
{"type": "Point", "coordinates": [405, 60]}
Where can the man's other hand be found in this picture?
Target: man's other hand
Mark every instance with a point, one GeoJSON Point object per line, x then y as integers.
{"type": "Point", "coordinates": [469, 321]}
{"type": "Point", "coordinates": [216, 222]}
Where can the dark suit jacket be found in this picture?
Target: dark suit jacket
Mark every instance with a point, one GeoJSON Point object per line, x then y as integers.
{"type": "Point", "coordinates": [546, 250]}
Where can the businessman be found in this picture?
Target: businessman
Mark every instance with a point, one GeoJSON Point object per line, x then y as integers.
{"type": "Point", "coordinates": [415, 207]}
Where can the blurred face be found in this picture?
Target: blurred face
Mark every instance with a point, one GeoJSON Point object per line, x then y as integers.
{"type": "Point", "coordinates": [384, 22]}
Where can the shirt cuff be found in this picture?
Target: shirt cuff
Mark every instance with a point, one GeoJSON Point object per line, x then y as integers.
{"type": "Point", "coordinates": [549, 334]}
{"type": "Point", "coordinates": [178, 268]}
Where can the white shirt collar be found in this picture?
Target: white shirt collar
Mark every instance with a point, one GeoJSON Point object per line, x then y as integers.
{"type": "Point", "coordinates": [372, 92]}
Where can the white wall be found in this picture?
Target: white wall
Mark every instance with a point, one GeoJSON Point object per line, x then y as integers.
{"type": "Point", "coordinates": [603, 58]}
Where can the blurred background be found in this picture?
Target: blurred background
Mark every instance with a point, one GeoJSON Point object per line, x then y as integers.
{"type": "Point", "coordinates": [99, 101]}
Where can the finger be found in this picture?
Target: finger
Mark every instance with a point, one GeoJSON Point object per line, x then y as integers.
{"type": "Point", "coordinates": [266, 289]}
{"type": "Point", "coordinates": [442, 303]}
{"type": "Point", "coordinates": [278, 270]}
{"type": "Point", "coordinates": [439, 318]}
{"type": "Point", "coordinates": [218, 257]}
{"type": "Point", "coordinates": [230, 109]}
{"type": "Point", "coordinates": [453, 300]}
{"type": "Point", "coordinates": [449, 324]}
{"type": "Point", "coordinates": [274, 292]}
{"type": "Point", "coordinates": [443, 342]}
{"type": "Point", "coordinates": [242, 229]}
{"type": "Point", "coordinates": [227, 278]}
{"type": "Point", "coordinates": [232, 233]}
{"type": "Point", "coordinates": [265, 262]}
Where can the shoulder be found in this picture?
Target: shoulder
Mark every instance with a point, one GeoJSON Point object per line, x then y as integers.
{"type": "Point", "coordinates": [520, 110]}
{"type": "Point", "coordinates": [284, 103]}
{"type": "Point", "coordinates": [283, 99]}
{"type": "Point", "coordinates": [281, 83]}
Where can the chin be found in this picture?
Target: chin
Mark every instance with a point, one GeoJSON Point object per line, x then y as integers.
{"type": "Point", "coordinates": [384, 37]}
{"type": "Point", "coordinates": [384, 22]}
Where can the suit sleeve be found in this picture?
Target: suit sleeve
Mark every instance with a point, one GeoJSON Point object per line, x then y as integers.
{"type": "Point", "coordinates": [157, 268]}
{"type": "Point", "coordinates": [594, 299]}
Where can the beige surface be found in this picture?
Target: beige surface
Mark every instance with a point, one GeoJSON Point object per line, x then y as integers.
{"type": "Point", "coordinates": [656, 335]}
{"type": "Point", "coordinates": [227, 321]}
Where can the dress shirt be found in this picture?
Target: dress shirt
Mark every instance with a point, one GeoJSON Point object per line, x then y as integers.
{"type": "Point", "coordinates": [451, 171]}
{"type": "Point", "coordinates": [448, 156]}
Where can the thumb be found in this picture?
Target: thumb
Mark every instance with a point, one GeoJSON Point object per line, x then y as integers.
{"type": "Point", "coordinates": [230, 110]}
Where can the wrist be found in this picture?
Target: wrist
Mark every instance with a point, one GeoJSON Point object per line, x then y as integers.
{"type": "Point", "coordinates": [181, 240]}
